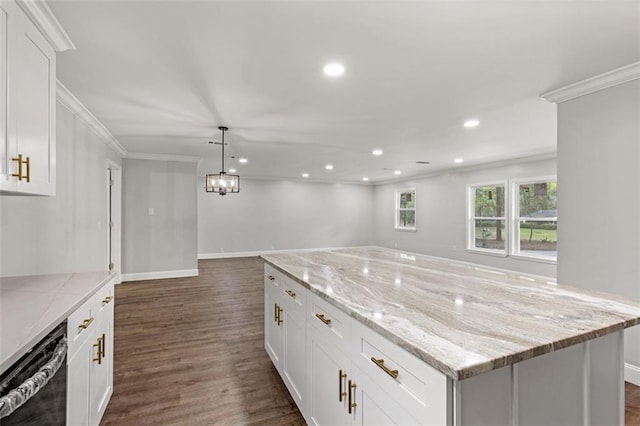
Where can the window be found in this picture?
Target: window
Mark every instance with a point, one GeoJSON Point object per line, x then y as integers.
{"type": "Point", "coordinates": [487, 218]}
{"type": "Point", "coordinates": [536, 228]}
{"type": "Point", "coordinates": [406, 210]}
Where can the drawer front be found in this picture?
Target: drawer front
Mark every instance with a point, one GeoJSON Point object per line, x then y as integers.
{"type": "Point", "coordinates": [80, 325]}
{"type": "Point", "coordinates": [272, 277]}
{"type": "Point", "coordinates": [328, 321]}
{"type": "Point", "coordinates": [292, 294]}
{"type": "Point", "coordinates": [411, 382]}
{"type": "Point", "coordinates": [104, 298]}
{"type": "Point", "coordinates": [295, 297]}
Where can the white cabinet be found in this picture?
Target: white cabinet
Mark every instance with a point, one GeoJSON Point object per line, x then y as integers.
{"type": "Point", "coordinates": [328, 382]}
{"type": "Point", "coordinates": [27, 105]}
{"type": "Point", "coordinates": [90, 358]}
{"type": "Point", "coordinates": [353, 376]}
{"type": "Point", "coordinates": [285, 332]}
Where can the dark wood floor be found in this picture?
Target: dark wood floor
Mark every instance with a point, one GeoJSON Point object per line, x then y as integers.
{"type": "Point", "coordinates": [190, 351]}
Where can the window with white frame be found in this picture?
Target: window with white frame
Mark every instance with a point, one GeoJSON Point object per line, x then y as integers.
{"type": "Point", "coordinates": [487, 218]}
{"type": "Point", "coordinates": [535, 233]}
{"type": "Point", "coordinates": [406, 209]}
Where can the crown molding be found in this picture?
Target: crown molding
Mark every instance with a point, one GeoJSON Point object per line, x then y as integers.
{"type": "Point", "coordinates": [594, 84]}
{"type": "Point", "coordinates": [162, 157]}
{"type": "Point", "coordinates": [66, 98]}
{"type": "Point", "coordinates": [43, 18]}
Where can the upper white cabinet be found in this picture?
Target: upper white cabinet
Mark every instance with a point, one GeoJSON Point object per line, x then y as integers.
{"type": "Point", "coordinates": [29, 38]}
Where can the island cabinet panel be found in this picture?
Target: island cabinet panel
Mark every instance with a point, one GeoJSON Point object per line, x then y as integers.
{"type": "Point", "coordinates": [580, 384]}
{"type": "Point", "coordinates": [285, 332]}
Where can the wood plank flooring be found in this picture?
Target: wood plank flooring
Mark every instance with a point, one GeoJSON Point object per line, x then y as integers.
{"type": "Point", "coordinates": [190, 351]}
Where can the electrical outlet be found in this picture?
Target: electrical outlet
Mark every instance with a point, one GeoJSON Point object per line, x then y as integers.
{"type": "Point", "coordinates": [455, 248]}
{"type": "Point", "coordinates": [152, 211]}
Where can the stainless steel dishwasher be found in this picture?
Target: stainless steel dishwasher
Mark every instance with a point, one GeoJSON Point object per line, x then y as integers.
{"type": "Point", "coordinates": [33, 391]}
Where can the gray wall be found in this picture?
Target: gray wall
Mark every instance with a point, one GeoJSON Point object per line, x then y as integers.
{"type": "Point", "coordinates": [68, 232]}
{"type": "Point", "coordinates": [441, 215]}
{"type": "Point", "coordinates": [599, 195]}
{"type": "Point", "coordinates": [276, 215]}
{"type": "Point", "coordinates": [166, 240]}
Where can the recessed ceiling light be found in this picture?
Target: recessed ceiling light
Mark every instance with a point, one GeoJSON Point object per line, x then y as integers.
{"type": "Point", "coordinates": [471, 123]}
{"type": "Point", "coordinates": [397, 172]}
{"type": "Point", "coordinates": [458, 161]}
{"type": "Point", "coordinates": [366, 179]}
{"type": "Point", "coordinates": [334, 69]}
{"type": "Point", "coordinates": [242, 160]}
{"type": "Point", "coordinates": [232, 170]}
{"type": "Point", "coordinates": [329, 167]}
{"type": "Point", "coordinates": [305, 175]}
{"type": "Point", "coordinates": [377, 151]}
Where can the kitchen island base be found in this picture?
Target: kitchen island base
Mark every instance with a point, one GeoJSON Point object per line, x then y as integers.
{"type": "Point", "coordinates": [334, 380]}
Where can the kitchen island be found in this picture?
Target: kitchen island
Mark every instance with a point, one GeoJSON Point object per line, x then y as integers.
{"type": "Point", "coordinates": [456, 343]}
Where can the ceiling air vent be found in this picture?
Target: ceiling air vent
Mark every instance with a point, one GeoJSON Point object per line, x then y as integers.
{"type": "Point", "coordinates": [422, 162]}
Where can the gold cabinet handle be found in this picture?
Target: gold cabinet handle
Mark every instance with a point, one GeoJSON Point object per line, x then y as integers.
{"type": "Point", "coordinates": [275, 312]}
{"type": "Point", "coordinates": [99, 346]}
{"type": "Point", "coordinates": [28, 163]}
{"type": "Point", "coordinates": [107, 299]}
{"type": "Point", "coordinates": [103, 348]}
{"type": "Point", "coordinates": [341, 377]}
{"type": "Point", "coordinates": [291, 293]}
{"type": "Point", "coordinates": [280, 320]}
{"type": "Point", "coordinates": [321, 317]}
{"type": "Point", "coordinates": [352, 400]}
{"type": "Point", "coordinates": [19, 160]}
{"type": "Point", "coordinates": [380, 363]}
{"type": "Point", "coordinates": [271, 277]}
{"type": "Point", "coordinates": [86, 323]}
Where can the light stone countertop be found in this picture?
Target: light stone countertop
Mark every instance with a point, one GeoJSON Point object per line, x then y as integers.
{"type": "Point", "coordinates": [31, 306]}
{"type": "Point", "coordinates": [460, 318]}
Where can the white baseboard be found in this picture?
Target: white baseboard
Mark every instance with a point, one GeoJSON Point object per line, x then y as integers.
{"type": "Point", "coordinates": [158, 275]}
{"type": "Point", "coordinates": [259, 252]}
{"type": "Point", "coordinates": [632, 373]}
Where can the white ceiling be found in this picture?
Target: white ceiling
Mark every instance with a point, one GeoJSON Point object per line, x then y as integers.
{"type": "Point", "coordinates": [162, 75]}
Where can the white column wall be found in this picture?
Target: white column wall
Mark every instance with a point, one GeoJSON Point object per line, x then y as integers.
{"type": "Point", "coordinates": [599, 197]}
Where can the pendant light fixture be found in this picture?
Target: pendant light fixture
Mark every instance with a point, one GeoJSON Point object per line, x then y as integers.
{"type": "Point", "coordinates": [222, 183]}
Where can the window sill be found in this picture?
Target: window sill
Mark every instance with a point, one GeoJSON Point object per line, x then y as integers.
{"type": "Point", "coordinates": [546, 260]}
{"type": "Point", "coordinates": [405, 229]}
{"type": "Point", "coordinates": [488, 252]}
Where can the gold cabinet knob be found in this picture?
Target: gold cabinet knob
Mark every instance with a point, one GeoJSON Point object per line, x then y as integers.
{"type": "Point", "coordinates": [322, 318]}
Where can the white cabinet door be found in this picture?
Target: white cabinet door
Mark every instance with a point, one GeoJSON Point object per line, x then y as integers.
{"type": "Point", "coordinates": [102, 366]}
{"type": "Point", "coordinates": [28, 91]}
{"type": "Point", "coordinates": [273, 330]}
{"type": "Point", "coordinates": [5, 152]}
{"type": "Point", "coordinates": [78, 381]}
{"type": "Point", "coordinates": [328, 376]}
{"type": "Point", "coordinates": [294, 365]}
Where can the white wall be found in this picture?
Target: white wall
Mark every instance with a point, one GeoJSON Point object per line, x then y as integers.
{"type": "Point", "coordinates": [68, 232]}
{"type": "Point", "coordinates": [441, 215]}
{"type": "Point", "coordinates": [599, 196]}
{"type": "Point", "coordinates": [276, 215]}
{"type": "Point", "coordinates": [164, 244]}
